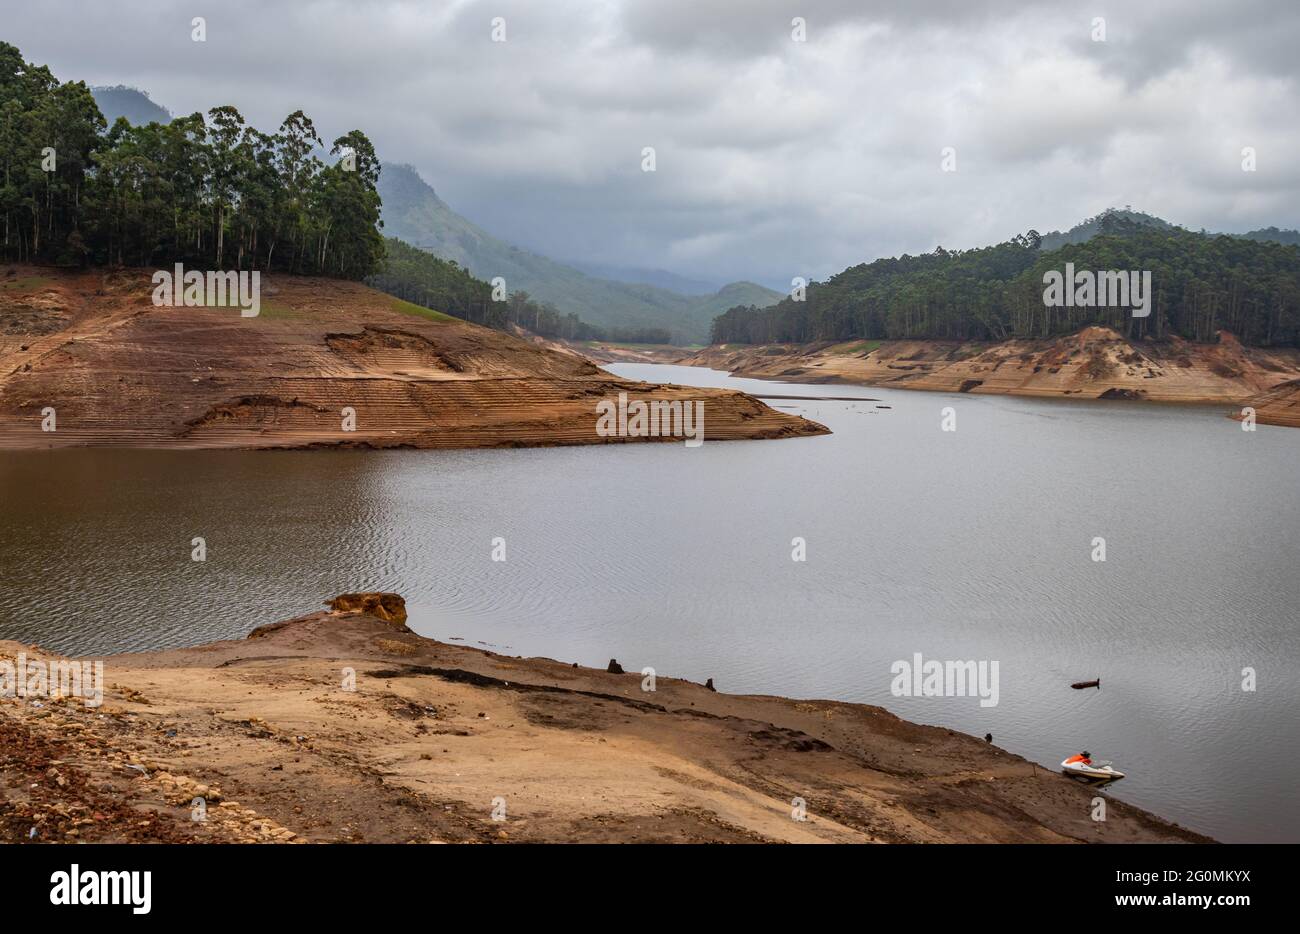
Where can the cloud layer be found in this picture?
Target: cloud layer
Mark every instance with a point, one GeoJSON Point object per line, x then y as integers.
{"type": "Point", "coordinates": [774, 157]}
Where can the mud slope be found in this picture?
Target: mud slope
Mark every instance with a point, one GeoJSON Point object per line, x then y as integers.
{"type": "Point", "coordinates": [1093, 364]}
{"type": "Point", "coordinates": [436, 737]}
{"type": "Point", "coordinates": [117, 370]}
{"type": "Point", "coordinates": [1279, 406]}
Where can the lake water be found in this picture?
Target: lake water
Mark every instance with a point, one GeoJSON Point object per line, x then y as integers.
{"type": "Point", "coordinates": [973, 544]}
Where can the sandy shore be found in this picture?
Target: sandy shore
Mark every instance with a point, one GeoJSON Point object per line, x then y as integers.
{"type": "Point", "coordinates": [436, 738]}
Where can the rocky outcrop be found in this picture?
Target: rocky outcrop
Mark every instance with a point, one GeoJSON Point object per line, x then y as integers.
{"type": "Point", "coordinates": [1278, 406]}
{"type": "Point", "coordinates": [389, 607]}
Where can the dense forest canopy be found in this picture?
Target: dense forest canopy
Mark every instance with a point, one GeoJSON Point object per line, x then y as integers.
{"type": "Point", "coordinates": [1201, 284]}
{"type": "Point", "coordinates": [203, 190]}
{"type": "Point", "coordinates": [443, 285]}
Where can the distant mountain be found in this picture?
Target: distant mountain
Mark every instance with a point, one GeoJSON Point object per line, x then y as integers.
{"type": "Point", "coordinates": [656, 277]}
{"type": "Point", "coordinates": [1289, 237]}
{"type": "Point", "coordinates": [132, 103]}
{"type": "Point", "coordinates": [1086, 230]}
{"type": "Point", "coordinates": [413, 212]}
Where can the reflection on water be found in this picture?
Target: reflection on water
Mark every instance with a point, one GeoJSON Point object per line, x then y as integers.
{"type": "Point", "coordinates": [974, 544]}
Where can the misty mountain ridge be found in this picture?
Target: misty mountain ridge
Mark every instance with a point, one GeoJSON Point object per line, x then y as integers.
{"type": "Point", "coordinates": [629, 298]}
{"type": "Point", "coordinates": [413, 212]}
{"type": "Point", "coordinates": [661, 278]}
{"type": "Point", "coordinates": [132, 103]}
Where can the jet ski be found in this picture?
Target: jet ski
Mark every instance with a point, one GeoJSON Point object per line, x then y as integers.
{"type": "Point", "coordinates": [1083, 766]}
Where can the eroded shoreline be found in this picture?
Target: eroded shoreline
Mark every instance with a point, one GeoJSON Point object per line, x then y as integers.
{"type": "Point", "coordinates": [1095, 363]}
{"type": "Point", "coordinates": [344, 725]}
{"type": "Point", "coordinates": [88, 359]}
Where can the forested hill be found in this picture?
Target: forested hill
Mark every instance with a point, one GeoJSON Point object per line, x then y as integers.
{"type": "Point", "coordinates": [413, 212]}
{"type": "Point", "coordinates": [421, 278]}
{"type": "Point", "coordinates": [1085, 230]}
{"type": "Point", "coordinates": [1201, 284]}
{"type": "Point", "coordinates": [204, 190]}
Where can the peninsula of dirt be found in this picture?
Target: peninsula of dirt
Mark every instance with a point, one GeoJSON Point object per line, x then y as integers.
{"type": "Point", "coordinates": [88, 358]}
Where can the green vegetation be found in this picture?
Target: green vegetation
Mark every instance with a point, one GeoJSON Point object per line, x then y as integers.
{"type": "Point", "coordinates": [860, 347]}
{"type": "Point", "coordinates": [24, 282]}
{"type": "Point", "coordinates": [1201, 283]}
{"type": "Point", "coordinates": [409, 308]}
{"type": "Point", "coordinates": [205, 191]}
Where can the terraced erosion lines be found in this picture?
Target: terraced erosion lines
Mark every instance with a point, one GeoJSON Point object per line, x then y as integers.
{"type": "Point", "coordinates": [1095, 363]}
{"type": "Point", "coordinates": [118, 370]}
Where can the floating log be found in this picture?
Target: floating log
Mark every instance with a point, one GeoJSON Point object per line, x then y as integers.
{"type": "Point", "coordinates": [1079, 685]}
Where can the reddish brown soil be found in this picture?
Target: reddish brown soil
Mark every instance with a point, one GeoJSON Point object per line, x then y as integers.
{"type": "Point", "coordinates": [117, 370]}
{"type": "Point", "coordinates": [1096, 363]}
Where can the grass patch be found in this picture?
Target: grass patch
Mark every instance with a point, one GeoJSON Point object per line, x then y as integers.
{"type": "Point", "coordinates": [859, 347]}
{"type": "Point", "coordinates": [25, 282]}
{"type": "Point", "coordinates": [410, 308]}
{"type": "Point", "coordinates": [277, 310]}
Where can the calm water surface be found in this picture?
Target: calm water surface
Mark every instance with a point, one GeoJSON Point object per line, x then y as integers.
{"type": "Point", "coordinates": [974, 544]}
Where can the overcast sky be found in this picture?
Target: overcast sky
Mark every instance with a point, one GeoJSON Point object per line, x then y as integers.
{"type": "Point", "coordinates": [774, 157]}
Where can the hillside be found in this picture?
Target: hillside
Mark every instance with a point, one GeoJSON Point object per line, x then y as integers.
{"type": "Point", "coordinates": [657, 277]}
{"type": "Point", "coordinates": [1196, 285]}
{"type": "Point", "coordinates": [1279, 406]}
{"type": "Point", "coordinates": [94, 353]}
{"type": "Point", "coordinates": [413, 212]}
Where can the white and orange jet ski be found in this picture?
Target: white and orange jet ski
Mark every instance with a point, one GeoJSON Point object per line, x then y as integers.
{"type": "Point", "coordinates": [1083, 766]}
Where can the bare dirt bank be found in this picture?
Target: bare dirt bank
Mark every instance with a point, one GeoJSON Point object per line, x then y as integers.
{"type": "Point", "coordinates": [437, 736]}
{"type": "Point", "coordinates": [117, 370]}
{"type": "Point", "coordinates": [1096, 363]}
{"type": "Point", "coordinates": [1279, 406]}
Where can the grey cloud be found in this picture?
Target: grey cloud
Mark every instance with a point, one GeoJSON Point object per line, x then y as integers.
{"type": "Point", "coordinates": [775, 158]}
